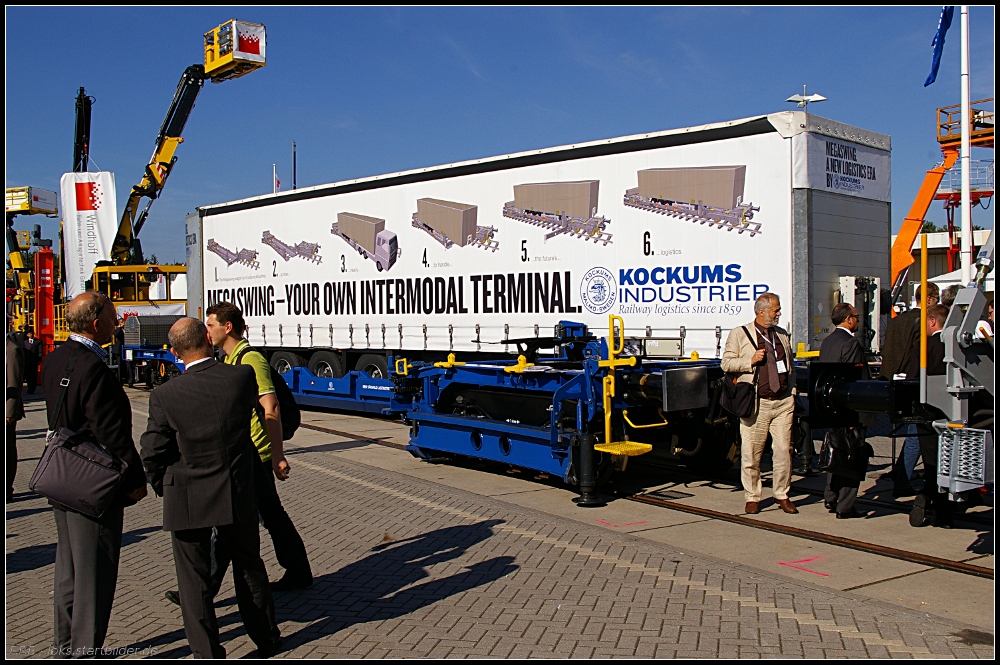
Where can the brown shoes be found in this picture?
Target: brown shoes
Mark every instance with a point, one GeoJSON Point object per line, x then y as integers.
{"type": "Point", "coordinates": [787, 506]}
{"type": "Point", "coordinates": [752, 508]}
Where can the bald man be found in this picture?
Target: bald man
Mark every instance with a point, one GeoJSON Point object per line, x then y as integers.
{"type": "Point", "coordinates": [202, 462]}
{"type": "Point", "coordinates": [97, 408]}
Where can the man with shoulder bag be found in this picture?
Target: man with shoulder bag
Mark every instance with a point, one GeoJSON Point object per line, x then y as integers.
{"type": "Point", "coordinates": [847, 445]}
{"type": "Point", "coordinates": [84, 399]}
{"type": "Point", "coordinates": [759, 353]}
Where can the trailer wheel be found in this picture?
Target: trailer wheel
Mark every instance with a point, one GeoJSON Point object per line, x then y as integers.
{"type": "Point", "coordinates": [325, 365]}
{"type": "Point", "coordinates": [377, 367]}
{"type": "Point", "coordinates": [284, 361]}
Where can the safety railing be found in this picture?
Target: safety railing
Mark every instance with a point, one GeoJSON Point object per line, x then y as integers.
{"type": "Point", "coordinates": [949, 123]}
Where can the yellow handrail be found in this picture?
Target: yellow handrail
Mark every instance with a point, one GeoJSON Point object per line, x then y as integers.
{"type": "Point", "coordinates": [634, 426]}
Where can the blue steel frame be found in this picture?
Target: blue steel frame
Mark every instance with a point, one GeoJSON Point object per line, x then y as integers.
{"type": "Point", "coordinates": [546, 449]}
{"type": "Point", "coordinates": [148, 354]}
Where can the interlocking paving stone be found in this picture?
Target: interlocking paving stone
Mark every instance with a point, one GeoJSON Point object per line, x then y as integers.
{"type": "Point", "coordinates": [408, 568]}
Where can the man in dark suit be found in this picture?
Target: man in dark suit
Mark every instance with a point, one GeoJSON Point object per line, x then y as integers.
{"type": "Point", "coordinates": [14, 408]}
{"type": "Point", "coordinates": [930, 495]}
{"type": "Point", "coordinates": [199, 456]}
{"type": "Point", "coordinates": [32, 356]}
{"type": "Point", "coordinates": [96, 407]}
{"type": "Point", "coordinates": [902, 333]}
{"type": "Point", "coordinates": [841, 346]}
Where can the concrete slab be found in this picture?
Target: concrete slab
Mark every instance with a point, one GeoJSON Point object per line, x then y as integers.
{"type": "Point", "coordinates": [940, 593]}
{"type": "Point", "coordinates": [880, 526]}
{"type": "Point", "coordinates": [800, 559]}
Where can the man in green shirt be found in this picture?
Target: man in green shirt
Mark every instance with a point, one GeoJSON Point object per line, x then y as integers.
{"type": "Point", "coordinates": [225, 327]}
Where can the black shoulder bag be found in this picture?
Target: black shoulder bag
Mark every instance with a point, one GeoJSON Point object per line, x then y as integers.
{"type": "Point", "coordinates": [291, 416]}
{"type": "Point", "coordinates": [740, 399]}
{"type": "Point", "coordinates": [82, 475]}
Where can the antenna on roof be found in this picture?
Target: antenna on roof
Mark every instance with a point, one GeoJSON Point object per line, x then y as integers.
{"type": "Point", "coordinates": [804, 99]}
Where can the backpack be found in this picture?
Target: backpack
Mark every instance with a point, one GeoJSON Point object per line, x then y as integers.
{"type": "Point", "coordinates": [291, 417]}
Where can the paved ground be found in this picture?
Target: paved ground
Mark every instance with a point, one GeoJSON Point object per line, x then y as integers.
{"type": "Point", "coordinates": [409, 567]}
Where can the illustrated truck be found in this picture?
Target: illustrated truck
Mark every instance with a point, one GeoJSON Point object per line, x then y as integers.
{"type": "Point", "coordinates": [369, 237]}
{"type": "Point", "coordinates": [686, 283]}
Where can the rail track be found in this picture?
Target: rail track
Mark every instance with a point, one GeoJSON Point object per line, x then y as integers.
{"type": "Point", "coordinates": [963, 567]}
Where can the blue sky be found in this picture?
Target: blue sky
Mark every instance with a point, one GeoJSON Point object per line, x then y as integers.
{"type": "Point", "coordinates": [365, 91]}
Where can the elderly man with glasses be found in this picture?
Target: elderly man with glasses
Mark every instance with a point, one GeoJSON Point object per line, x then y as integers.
{"type": "Point", "coordinates": [842, 346]}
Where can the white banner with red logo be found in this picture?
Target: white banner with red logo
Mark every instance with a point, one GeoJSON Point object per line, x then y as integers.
{"type": "Point", "coordinates": [90, 222]}
{"type": "Point", "coordinates": [250, 42]}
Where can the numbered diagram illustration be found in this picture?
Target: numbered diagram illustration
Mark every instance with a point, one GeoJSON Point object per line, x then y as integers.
{"type": "Point", "coordinates": [711, 195]}
{"type": "Point", "coordinates": [561, 207]}
{"type": "Point", "coordinates": [453, 223]}
{"type": "Point", "coordinates": [247, 257]}
{"type": "Point", "coordinates": [369, 237]}
{"type": "Point", "coordinates": [306, 250]}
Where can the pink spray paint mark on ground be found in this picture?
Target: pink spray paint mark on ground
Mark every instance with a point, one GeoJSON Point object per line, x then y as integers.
{"type": "Point", "coordinates": [791, 564]}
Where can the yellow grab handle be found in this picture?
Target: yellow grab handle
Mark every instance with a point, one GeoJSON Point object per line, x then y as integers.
{"type": "Point", "coordinates": [634, 426]}
{"type": "Point", "coordinates": [612, 349]}
{"type": "Point", "coordinates": [401, 367]}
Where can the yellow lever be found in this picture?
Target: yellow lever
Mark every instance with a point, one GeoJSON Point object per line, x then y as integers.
{"type": "Point", "coordinates": [449, 363]}
{"type": "Point", "coordinates": [402, 368]}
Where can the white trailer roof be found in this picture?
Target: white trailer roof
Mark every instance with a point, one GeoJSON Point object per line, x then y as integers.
{"type": "Point", "coordinates": [786, 123]}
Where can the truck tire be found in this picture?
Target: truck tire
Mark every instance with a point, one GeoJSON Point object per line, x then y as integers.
{"type": "Point", "coordinates": [325, 365]}
{"type": "Point", "coordinates": [283, 361]}
{"type": "Point", "coordinates": [378, 264]}
{"type": "Point", "coordinates": [377, 367]}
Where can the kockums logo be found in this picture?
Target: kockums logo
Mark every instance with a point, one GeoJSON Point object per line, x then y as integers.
{"type": "Point", "coordinates": [598, 290]}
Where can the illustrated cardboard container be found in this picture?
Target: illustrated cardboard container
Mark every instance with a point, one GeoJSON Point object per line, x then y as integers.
{"type": "Point", "coordinates": [457, 221]}
{"type": "Point", "coordinates": [576, 199]}
{"type": "Point", "coordinates": [717, 186]}
{"type": "Point", "coordinates": [360, 228]}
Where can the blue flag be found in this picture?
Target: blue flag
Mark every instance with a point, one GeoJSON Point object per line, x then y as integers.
{"type": "Point", "coordinates": [938, 44]}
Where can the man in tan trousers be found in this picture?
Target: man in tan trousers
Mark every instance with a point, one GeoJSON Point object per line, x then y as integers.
{"type": "Point", "coordinates": [761, 353]}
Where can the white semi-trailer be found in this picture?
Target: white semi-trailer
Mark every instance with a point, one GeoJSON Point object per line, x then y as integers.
{"type": "Point", "coordinates": [677, 232]}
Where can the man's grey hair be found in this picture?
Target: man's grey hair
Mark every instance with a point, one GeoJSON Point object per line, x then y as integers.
{"type": "Point", "coordinates": [84, 311]}
{"type": "Point", "coordinates": [188, 334]}
{"type": "Point", "coordinates": [949, 294]}
{"type": "Point", "coordinates": [764, 301]}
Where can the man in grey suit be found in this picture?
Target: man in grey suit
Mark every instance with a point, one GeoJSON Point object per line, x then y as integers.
{"type": "Point", "coordinates": [199, 456]}
{"type": "Point", "coordinates": [88, 549]}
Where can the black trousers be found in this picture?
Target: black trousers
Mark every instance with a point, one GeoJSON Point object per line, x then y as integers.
{"type": "Point", "coordinates": [938, 500]}
{"type": "Point", "coordinates": [31, 375]}
{"type": "Point", "coordinates": [192, 560]}
{"type": "Point", "coordinates": [841, 491]}
{"type": "Point", "coordinates": [86, 574]}
{"type": "Point", "coordinates": [11, 445]}
{"type": "Point", "coordinates": [288, 546]}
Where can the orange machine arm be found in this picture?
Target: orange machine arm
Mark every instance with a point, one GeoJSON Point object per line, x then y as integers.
{"type": "Point", "coordinates": [902, 249]}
